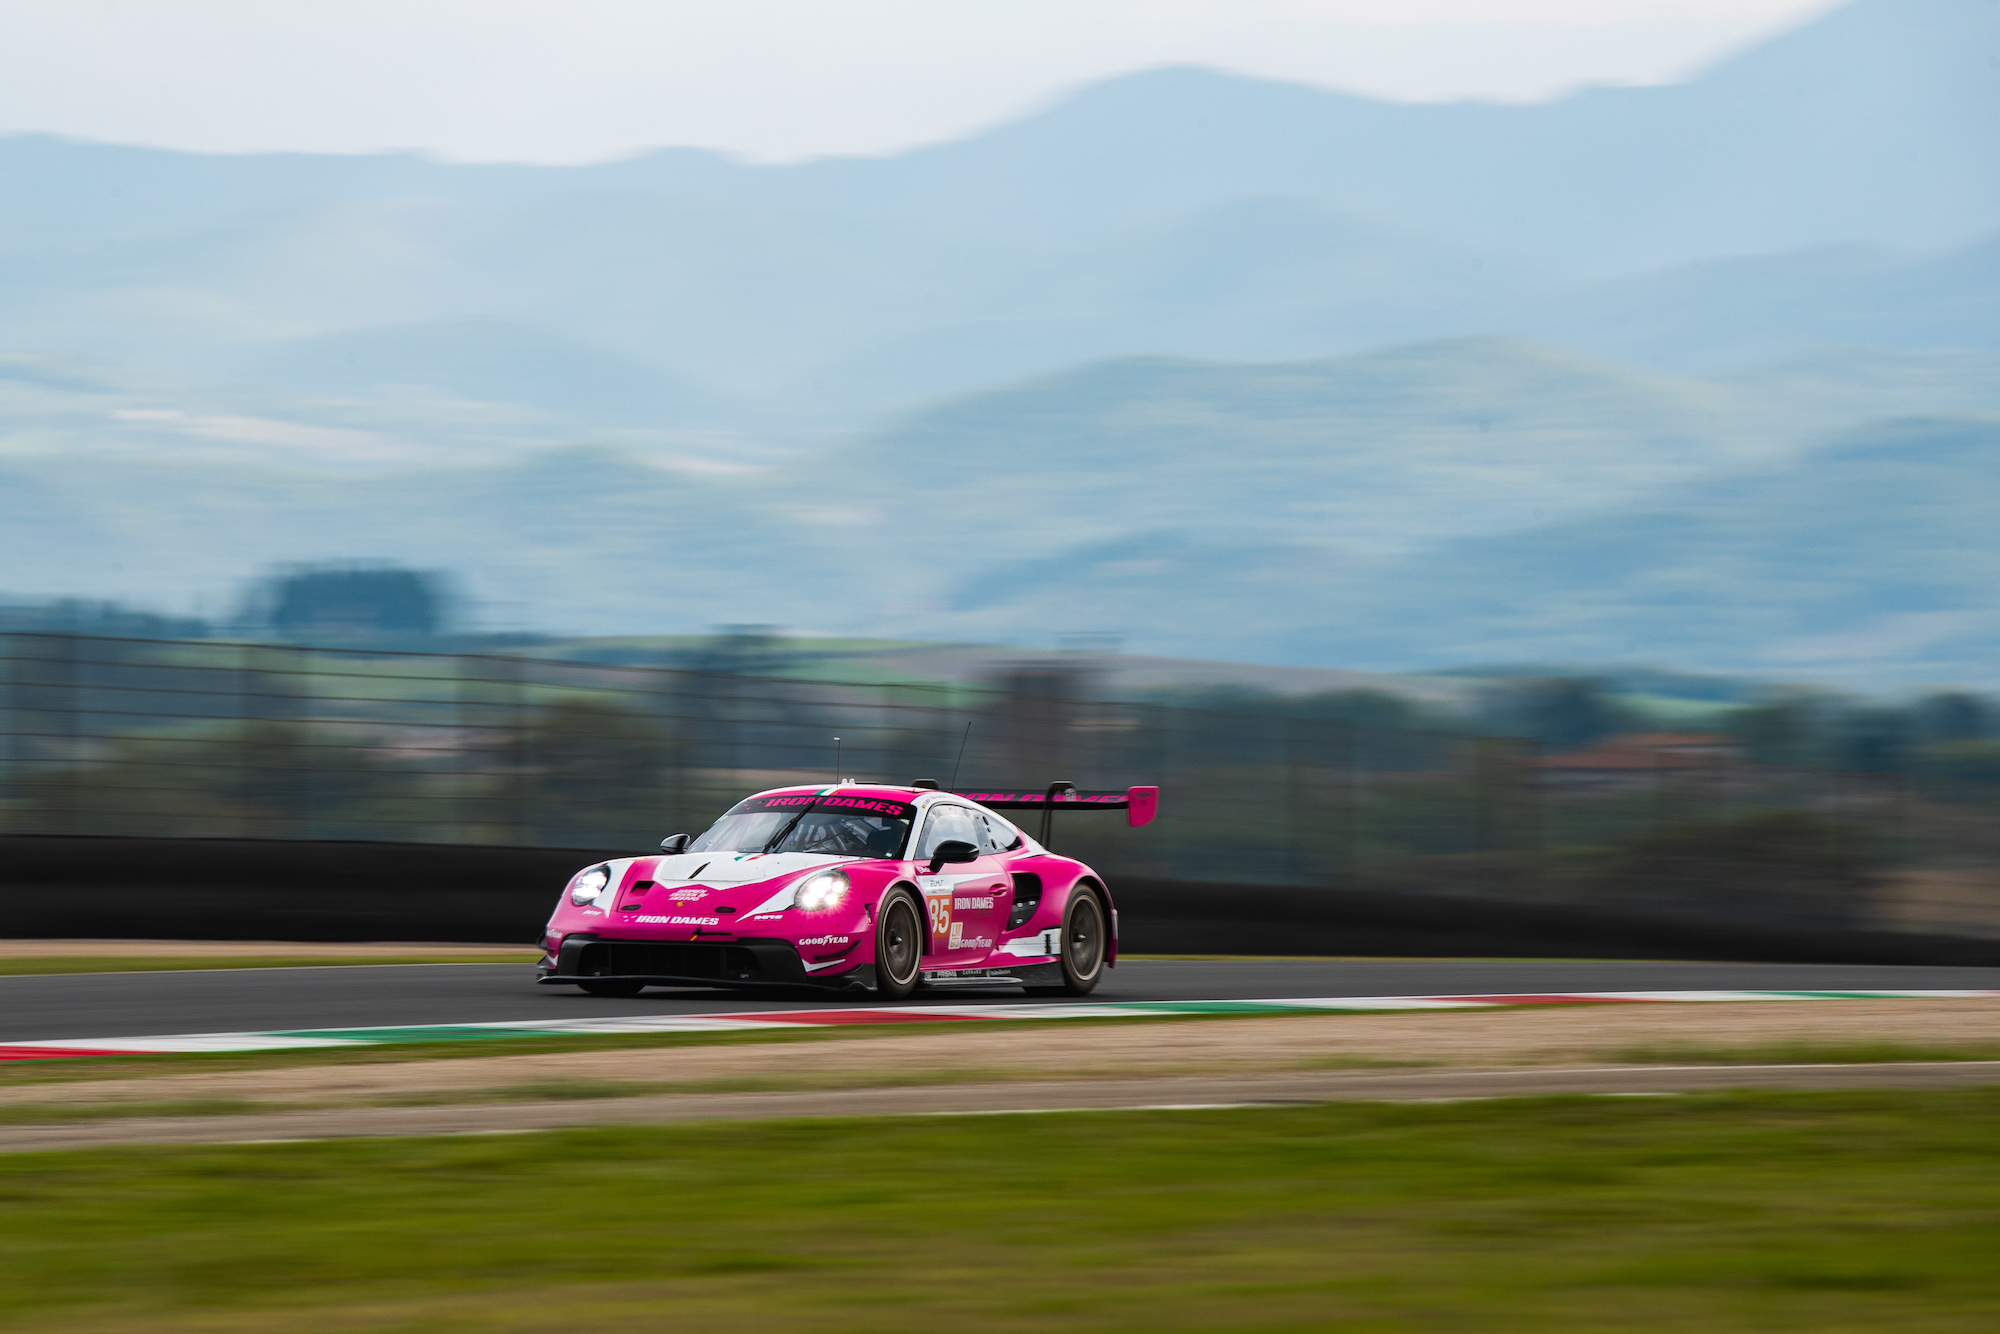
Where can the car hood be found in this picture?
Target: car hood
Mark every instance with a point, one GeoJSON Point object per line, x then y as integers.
{"type": "Point", "coordinates": [736, 868]}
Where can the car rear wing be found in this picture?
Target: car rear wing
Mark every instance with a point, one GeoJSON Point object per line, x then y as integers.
{"type": "Point", "coordinates": [1140, 804]}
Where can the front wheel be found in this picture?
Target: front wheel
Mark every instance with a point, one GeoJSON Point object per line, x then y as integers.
{"type": "Point", "coordinates": [1083, 937]}
{"type": "Point", "coordinates": [899, 945]}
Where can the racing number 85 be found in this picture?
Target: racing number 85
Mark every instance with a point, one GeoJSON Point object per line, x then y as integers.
{"type": "Point", "coordinates": [940, 910]}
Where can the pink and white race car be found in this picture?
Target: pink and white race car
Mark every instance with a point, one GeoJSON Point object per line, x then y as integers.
{"type": "Point", "coordinates": [856, 887]}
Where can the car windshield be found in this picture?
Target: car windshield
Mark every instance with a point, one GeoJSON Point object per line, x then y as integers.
{"type": "Point", "coordinates": [833, 825]}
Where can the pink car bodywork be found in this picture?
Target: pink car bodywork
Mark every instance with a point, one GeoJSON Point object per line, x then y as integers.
{"type": "Point", "coordinates": [733, 919]}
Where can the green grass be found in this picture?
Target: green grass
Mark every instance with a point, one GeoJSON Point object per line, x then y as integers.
{"type": "Point", "coordinates": [540, 1090]}
{"type": "Point", "coordinates": [1765, 1212]}
{"type": "Point", "coordinates": [1870, 1051]}
{"type": "Point", "coordinates": [809, 1081]}
{"type": "Point", "coordinates": [111, 963]}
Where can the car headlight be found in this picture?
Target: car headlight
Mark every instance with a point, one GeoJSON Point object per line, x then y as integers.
{"type": "Point", "coordinates": [821, 891]}
{"type": "Point", "coordinates": [589, 886]}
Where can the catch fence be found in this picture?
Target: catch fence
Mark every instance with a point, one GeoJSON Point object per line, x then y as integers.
{"type": "Point", "coordinates": [211, 739]}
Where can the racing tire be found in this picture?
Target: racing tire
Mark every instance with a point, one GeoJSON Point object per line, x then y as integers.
{"type": "Point", "coordinates": [620, 990]}
{"type": "Point", "coordinates": [1083, 940]}
{"type": "Point", "coordinates": [899, 945]}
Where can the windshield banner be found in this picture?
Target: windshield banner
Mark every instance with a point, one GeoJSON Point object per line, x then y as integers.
{"type": "Point", "coordinates": [798, 801]}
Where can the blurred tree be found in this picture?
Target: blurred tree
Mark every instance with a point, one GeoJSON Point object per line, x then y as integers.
{"type": "Point", "coordinates": [1953, 715]}
{"type": "Point", "coordinates": [84, 617]}
{"type": "Point", "coordinates": [350, 602]}
{"type": "Point", "coordinates": [1964, 761]}
{"type": "Point", "coordinates": [1874, 740]}
{"type": "Point", "coordinates": [1779, 732]}
{"type": "Point", "coordinates": [744, 650]}
{"type": "Point", "coordinates": [1560, 711]}
{"type": "Point", "coordinates": [266, 780]}
{"type": "Point", "coordinates": [1372, 708]}
{"type": "Point", "coordinates": [595, 772]}
{"type": "Point", "coordinates": [1796, 726]}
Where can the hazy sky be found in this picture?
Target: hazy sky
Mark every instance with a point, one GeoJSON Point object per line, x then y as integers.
{"type": "Point", "coordinates": [579, 80]}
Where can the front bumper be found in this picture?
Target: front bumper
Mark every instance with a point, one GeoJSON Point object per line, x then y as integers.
{"type": "Point", "coordinates": [671, 963]}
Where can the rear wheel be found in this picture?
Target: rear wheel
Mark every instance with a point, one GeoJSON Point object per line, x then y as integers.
{"type": "Point", "coordinates": [619, 989]}
{"type": "Point", "coordinates": [1083, 941]}
{"type": "Point", "coordinates": [899, 945]}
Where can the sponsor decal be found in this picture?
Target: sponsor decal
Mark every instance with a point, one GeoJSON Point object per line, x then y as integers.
{"type": "Point", "coordinates": [797, 801]}
{"type": "Point", "coordinates": [769, 917]}
{"type": "Point", "coordinates": [939, 902]}
{"type": "Point", "coordinates": [943, 884]}
{"type": "Point", "coordinates": [1037, 946]}
{"type": "Point", "coordinates": [825, 940]}
{"type": "Point", "coordinates": [680, 921]}
{"type": "Point", "coordinates": [961, 905]}
{"type": "Point", "coordinates": [961, 941]}
{"type": "Point", "coordinates": [691, 893]}
{"type": "Point", "coordinates": [1042, 798]}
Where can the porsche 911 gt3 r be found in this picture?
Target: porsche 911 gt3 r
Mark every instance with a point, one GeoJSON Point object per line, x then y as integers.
{"type": "Point", "coordinates": [858, 887]}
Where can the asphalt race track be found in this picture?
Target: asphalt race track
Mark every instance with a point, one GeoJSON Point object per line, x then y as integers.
{"type": "Point", "coordinates": [81, 1005]}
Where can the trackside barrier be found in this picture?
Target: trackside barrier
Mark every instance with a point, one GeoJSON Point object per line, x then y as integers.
{"type": "Point", "coordinates": [104, 736]}
{"type": "Point", "coordinates": [220, 889]}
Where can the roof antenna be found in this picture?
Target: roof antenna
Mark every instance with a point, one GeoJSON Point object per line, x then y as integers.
{"type": "Point", "coordinates": [836, 762]}
{"type": "Point", "coordinates": [953, 784]}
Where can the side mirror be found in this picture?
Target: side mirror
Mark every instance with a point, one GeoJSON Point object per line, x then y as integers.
{"type": "Point", "coordinates": [952, 851]}
{"type": "Point", "coordinates": [674, 843]}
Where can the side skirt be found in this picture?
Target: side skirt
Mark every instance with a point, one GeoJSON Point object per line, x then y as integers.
{"type": "Point", "coordinates": [1028, 975]}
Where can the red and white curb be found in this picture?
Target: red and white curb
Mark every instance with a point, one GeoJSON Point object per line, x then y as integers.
{"type": "Point", "coordinates": [754, 1021]}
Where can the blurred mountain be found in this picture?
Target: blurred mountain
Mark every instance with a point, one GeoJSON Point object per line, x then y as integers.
{"type": "Point", "coordinates": [1725, 313]}
{"type": "Point", "coordinates": [1383, 451]}
{"type": "Point", "coordinates": [1874, 561]}
{"type": "Point", "coordinates": [484, 361]}
{"type": "Point", "coordinates": [1469, 500]}
{"type": "Point", "coordinates": [1875, 558]}
{"type": "Point", "coordinates": [1874, 122]}
{"type": "Point", "coordinates": [1225, 367]}
{"type": "Point", "coordinates": [1839, 183]}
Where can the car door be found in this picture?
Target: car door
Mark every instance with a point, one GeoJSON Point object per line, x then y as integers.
{"type": "Point", "coordinates": [966, 902]}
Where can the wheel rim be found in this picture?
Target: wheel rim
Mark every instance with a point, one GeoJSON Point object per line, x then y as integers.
{"type": "Point", "coordinates": [899, 942]}
{"type": "Point", "coordinates": [1084, 937]}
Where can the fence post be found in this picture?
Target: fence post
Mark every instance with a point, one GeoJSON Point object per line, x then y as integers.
{"type": "Point", "coordinates": [516, 756]}
{"type": "Point", "coordinates": [11, 791]}
{"type": "Point", "coordinates": [1347, 809]}
{"type": "Point", "coordinates": [266, 797]}
{"type": "Point", "coordinates": [52, 719]}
